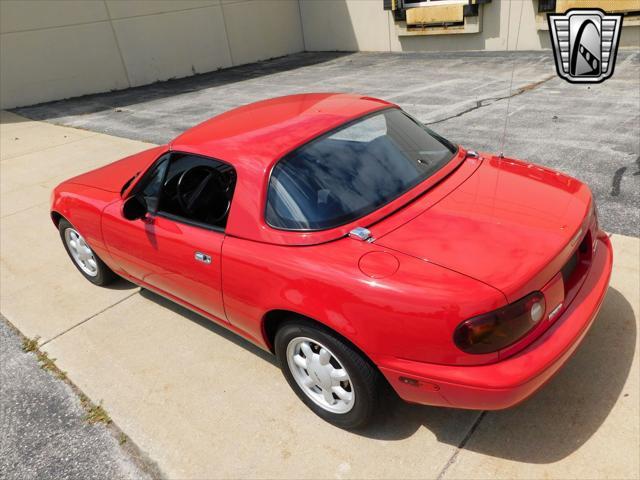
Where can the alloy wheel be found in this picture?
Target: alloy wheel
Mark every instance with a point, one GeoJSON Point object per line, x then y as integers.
{"type": "Point", "coordinates": [81, 252]}
{"type": "Point", "coordinates": [320, 375]}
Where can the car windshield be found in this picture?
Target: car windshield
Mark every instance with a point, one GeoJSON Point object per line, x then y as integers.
{"type": "Point", "coordinates": [353, 171]}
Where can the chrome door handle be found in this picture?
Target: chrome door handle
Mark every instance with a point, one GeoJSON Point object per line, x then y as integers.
{"type": "Point", "coordinates": [202, 257]}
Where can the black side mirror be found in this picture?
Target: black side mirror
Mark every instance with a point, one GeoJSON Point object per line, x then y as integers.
{"type": "Point", "coordinates": [134, 207]}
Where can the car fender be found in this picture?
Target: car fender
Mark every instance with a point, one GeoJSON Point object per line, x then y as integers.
{"type": "Point", "coordinates": [82, 206]}
{"type": "Point", "coordinates": [411, 313]}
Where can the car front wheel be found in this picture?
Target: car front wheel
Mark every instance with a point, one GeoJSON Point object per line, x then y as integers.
{"type": "Point", "coordinates": [85, 260]}
{"type": "Point", "coordinates": [328, 375]}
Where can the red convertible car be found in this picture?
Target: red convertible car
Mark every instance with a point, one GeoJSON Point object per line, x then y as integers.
{"type": "Point", "coordinates": [360, 247]}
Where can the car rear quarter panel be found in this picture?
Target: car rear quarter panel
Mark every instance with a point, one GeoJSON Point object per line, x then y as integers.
{"type": "Point", "coordinates": [410, 314]}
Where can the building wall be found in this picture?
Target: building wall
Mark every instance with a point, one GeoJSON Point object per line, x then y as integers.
{"type": "Point", "coordinates": [345, 25]}
{"type": "Point", "coordinates": [56, 49]}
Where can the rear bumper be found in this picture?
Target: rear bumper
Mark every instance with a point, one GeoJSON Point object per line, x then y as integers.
{"type": "Point", "coordinates": [508, 382]}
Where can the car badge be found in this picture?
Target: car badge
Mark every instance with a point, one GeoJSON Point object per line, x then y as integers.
{"type": "Point", "coordinates": [585, 44]}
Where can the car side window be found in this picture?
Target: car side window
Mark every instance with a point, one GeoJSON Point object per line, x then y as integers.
{"type": "Point", "coordinates": [197, 190]}
{"type": "Point", "coordinates": [153, 186]}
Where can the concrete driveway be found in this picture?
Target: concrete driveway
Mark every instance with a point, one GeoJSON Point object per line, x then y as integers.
{"type": "Point", "coordinates": [203, 403]}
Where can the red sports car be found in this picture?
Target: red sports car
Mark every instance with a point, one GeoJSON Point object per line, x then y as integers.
{"type": "Point", "coordinates": [360, 247]}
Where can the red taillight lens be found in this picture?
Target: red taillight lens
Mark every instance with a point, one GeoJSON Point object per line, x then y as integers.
{"type": "Point", "coordinates": [496, 330]}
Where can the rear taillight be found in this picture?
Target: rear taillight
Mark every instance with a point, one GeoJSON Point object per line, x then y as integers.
{"type": "Point", "coordinates": [496, 330]}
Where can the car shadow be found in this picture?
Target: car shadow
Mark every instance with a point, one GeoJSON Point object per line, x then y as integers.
{"type": "Point", "coordinates": [209, 325]}
{"type": "Point", "coordinates": [121, 284]}
{"type": "Point", "coordinates": [559, 418]}
{"type": "Point", "coordinates": [546, 428]}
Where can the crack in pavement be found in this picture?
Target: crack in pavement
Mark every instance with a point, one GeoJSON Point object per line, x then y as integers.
{"type": "Point", "coordinates": [89, 318]}
{"type": "Point", "coordinates": [483, 102]}
{"type": "Point", "coordinates": [461, 446]}
{"type": "Point", "coordinates": [617, 178]}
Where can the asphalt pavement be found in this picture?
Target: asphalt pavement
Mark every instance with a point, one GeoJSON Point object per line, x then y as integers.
{"type": "Point", "coordinates": [589, 131]}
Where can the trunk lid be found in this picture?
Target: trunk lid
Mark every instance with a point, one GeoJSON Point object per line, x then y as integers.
{"type": "Point", "coordinates": [511, 225]}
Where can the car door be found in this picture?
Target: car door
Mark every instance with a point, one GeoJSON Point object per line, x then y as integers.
{"type": "Point", "coordinates": [170, 250]}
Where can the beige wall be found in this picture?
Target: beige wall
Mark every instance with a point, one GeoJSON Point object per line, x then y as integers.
{"type": "Point", "coordinates": [53, 49]}
{"type": "Point", "coordinates": [345, 25]}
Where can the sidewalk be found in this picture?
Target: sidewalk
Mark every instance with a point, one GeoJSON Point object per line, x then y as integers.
{"type": "Point", "coordinates": [204, 403]}
{"type": "Point", "coordinates": [45, 432]}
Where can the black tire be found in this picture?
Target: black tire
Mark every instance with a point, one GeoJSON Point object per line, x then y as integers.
{"type": "Point", "coordinates": [104, 274]}
{"type": "Point", "coordinates": [365, 379]}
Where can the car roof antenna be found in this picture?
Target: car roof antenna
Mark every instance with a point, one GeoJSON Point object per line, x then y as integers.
{"type": "Point", "coordinates": [513, 68]}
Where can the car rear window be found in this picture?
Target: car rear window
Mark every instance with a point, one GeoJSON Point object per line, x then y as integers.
{"type": "Point", "coordinates": [352, 171]}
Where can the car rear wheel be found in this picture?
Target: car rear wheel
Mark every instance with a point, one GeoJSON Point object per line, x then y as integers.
{"type": "Point", "coordinates": [83, 257]}
{"type": "Point", "coordinates": [328, 375]}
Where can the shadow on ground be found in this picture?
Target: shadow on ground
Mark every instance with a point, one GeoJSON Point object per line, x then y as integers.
{"type": "Point", "coordinates": [546, 428]}
{"type": "Point", "coordinates": [209, 325]}
{"type": "Point", "coordinates": [7, 118]}
{"type": "Point", "coordinates": [121, 284]}
{"type": "Point", "coordinates": [115, 100]}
